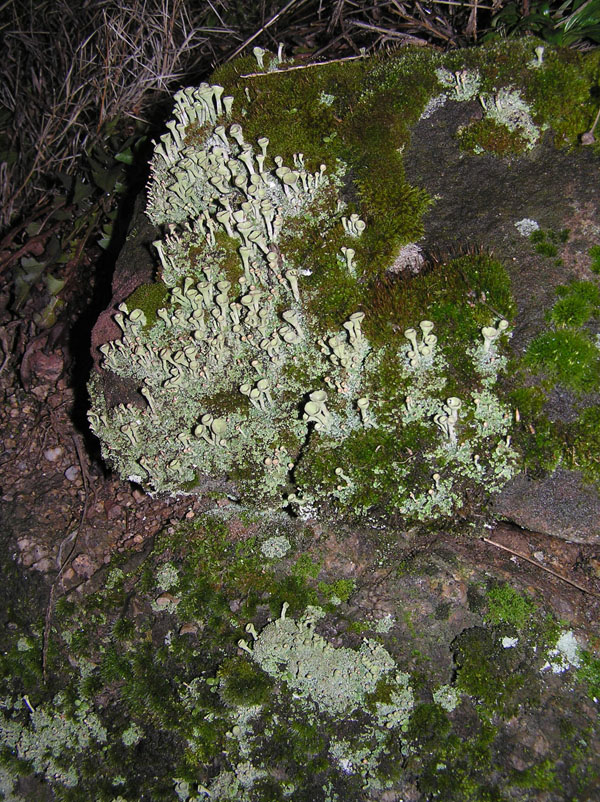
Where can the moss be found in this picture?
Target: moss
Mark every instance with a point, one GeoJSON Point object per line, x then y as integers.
{"type": "Point", "coordinates": [494, 676]}
{"type": "Point", "coordinates": [508, 606]}
{"type": "Point", "coordinates": [341, 588]}
{"type": "Point", "coordinates": [489, 136]}
{"type": "Point", "coordinates": [294, 591]}
{"type": "Point", "coordinates": [149, 298]}
{"type": "Point", "coordinates": [579, 301]}
{"type": "Point", "coordinates": [594, 254]}
{"type": "Point", "coordinates": [440, 292]}
{"type": "Point", "coordinates": [541, 777]}
{"type": "Point", "coordinates": [584, 454]}
{"type": "Point", "coordinates": [589, 673]}
{"type": "Point", "coordinates": [566, 356]}
{"type": "Point", "coordinates": [450, 766]}
{"type": "Point", "coordinates": [241, 682]}
{"type": "Point", "coordinates": [547, 242]}
{"type": "Point", "coordinates": [563, 92]}
{"type": "Point", "coordinates": [305, 567]}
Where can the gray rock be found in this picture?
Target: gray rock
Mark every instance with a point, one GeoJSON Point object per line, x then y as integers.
{"type": "Point", "coordinates": [561, 505]}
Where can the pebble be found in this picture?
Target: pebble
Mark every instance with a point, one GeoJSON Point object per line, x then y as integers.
{"type": "Point", "coordinates": [165, 599]}
{"type": "Point", "coordinates": [188, 629]}
{"type": "Point", "coordinates": [54, 453]}
{"type": "Point", "coordinates": [72, 473]}
{"type": "Point", "coordinates": [44, 565]}
{"type": "Point", "coordinates": [83, 565]}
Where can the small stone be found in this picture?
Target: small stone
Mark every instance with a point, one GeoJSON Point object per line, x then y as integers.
{"type": "Point", "coordinates": [190, 514]}
{"type": "Point", "coordinates": [188, 629]}
{"type": "Point", "coordinates": [138, 495]}
{"type": "Point", "coordinates": [44, 565]}
{"type": "Point", "coordinates": [83, 565]}
{"type": "Point", "coordinates": [113, 512]}
{"type": "Point", "coordinates": [138, 539]}
{"type": "Point", "coordinates": [72, 473]}
{"type": "Point", "coordinates": [164, 600]}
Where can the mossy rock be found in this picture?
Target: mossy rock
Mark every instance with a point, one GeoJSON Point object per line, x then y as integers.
{"type": "Point", "coordinates": [284, 328]}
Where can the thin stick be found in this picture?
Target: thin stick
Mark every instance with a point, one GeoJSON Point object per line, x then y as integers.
{"type": "Point", "coordinates": [543, 567]}
{"type": "Point", "coordinates": [303, 66]}
{"type": "Point", "coordinates": [468, 5]}
{"type": "Point", "coordinates": [388, 32]}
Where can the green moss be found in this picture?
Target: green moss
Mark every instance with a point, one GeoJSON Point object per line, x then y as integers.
{"type": "Point", "coordinates": [541, 777]}
{"type": "Point", "coordinates": [562, 92]}
{"type": "Point", "coordinates": [594, 254]}
{"type": "Point", "coordinates": [489, 136]}
{"type": "Point", "coordinates": [439, 292]}
{"type": "Point", "coordinates": [294, 591]}
{"type": "Point", "coordinates": [584, 454]}
{"type": "Point", "coordinates": [149, 298]}
{"type": "Point", "coordinates": [450, 766]}
{"type": "Point", "coordinates": [306, 568]}
{"type": "Point", "coordinates": [341, 588]}
{"type": "Point", "coordinates": [566, 356]}
{"type": "Point", "coordinates": [579, 300]}
{"type": "Point", "coordinates": [241, 682]}
{"type": "Point", "coordinates": [547, 242]}
{"type": "Point", "coordinates": [493, 675]}
{"type": "Point", "coordinates": [508, 606]}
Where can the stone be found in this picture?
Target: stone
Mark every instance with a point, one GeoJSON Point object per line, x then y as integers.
{"type": "Point", "coordinates": [561, 505]}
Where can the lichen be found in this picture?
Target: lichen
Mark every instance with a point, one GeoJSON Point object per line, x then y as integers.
{"type": "Point", "coordinates": [237, 375]}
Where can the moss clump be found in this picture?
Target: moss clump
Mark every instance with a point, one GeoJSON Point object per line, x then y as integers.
{"type": "Point", "coordinates": [547, 242]}
{"type": "Point", "coordinates": [578, 302]}
{"type": "Point", "coordinates": [589, 672]}
{"type": "Point", "coordinates": [594, 254]}
{"type": "Point", "coordinates": [448, 765]}
{"type": "Point", "coordinates": [496, 677]}
{"type": "Point", "coordinates": [490, 137]}
{"type": "Point", "coordinates": [441, 289]}
{"type": "Point", "coordinates": [584, 452]}
{"type": "Point", "coordinates": [508, 606]}
{"type": "Point", "coordinates": [149, 298]}
{"type": "Point", "coordinates": [566, 356]}
{"type": "Point", "coordinates": [242, 683]}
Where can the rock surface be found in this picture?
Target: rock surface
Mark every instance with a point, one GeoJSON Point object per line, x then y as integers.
{"type": "Point", "coordinates": [561, 505]}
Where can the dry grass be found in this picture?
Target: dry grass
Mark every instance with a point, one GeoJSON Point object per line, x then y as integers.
{"type": "Point", "coordinates": [70, 70]}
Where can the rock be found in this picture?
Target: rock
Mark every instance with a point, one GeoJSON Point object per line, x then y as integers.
{"type": "Point", "coordinates": [84, 565]}
{"type": "Point", "coordinates": [72, 473]}
{"type": "Point", "coordinates": [561, 505]}
{"type": "Point", "coordinates": [165, 600]}
{"type": "Point", "coordinates": [52, 454]}
{"type": "Point", "coordinates": [188, 629]}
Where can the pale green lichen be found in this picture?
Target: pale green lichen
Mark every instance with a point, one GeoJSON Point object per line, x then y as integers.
{"type": "Point", "coordinates": [336, 680]}
{"type": "Point", "coordinates": [50, 736]}
{"type": "Point", "coordinates": [507, 107]}
{"type": "Point", "coordinates": [447, 697]}
{"type": "Point", "coordinates": [235, 375]}
{"type": "Point", "coordinates": [460, 85]}
{"type": "Point", "coordinates": [276, 547]}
